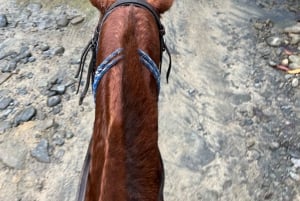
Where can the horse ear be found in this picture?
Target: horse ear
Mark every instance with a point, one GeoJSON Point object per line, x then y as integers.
{"type": "Point", "coordinates": [102, 5]}
{"type": "Point", "coordinates": [161, 5]}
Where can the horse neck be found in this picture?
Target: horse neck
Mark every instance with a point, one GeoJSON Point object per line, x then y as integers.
{"type": "Point", "coordinates": [126, 122]}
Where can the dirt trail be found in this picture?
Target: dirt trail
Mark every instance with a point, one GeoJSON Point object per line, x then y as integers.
{"type": "Point", "coordinates": [213, 139]}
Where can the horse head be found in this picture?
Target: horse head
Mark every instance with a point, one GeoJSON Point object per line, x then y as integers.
{"type": "Point", "coordinates": [160, 5]}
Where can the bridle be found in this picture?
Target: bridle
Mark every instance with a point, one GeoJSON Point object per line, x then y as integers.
{"type": "Point", "coordinates": [93, 44]}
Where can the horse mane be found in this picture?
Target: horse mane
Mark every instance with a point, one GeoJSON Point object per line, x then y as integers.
{"type": "Point", "coordinates": [123, 161]}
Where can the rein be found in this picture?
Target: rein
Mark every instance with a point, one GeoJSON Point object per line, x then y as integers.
{"type": "Point", "coordinates": [107, 63]}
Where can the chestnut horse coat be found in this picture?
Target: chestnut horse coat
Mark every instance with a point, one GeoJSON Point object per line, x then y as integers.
{"type": "Point", "coordinates": [123, 162]}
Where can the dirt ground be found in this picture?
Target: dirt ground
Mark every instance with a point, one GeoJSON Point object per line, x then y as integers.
{"type": "Point", "coordinates": [228, 122]}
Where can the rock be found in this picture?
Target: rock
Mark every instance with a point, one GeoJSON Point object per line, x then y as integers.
{"type": "Point", "coordinates": [5, 54]}
{"type": "Point", "coordinates": [272, 63]}
{"type": "Point", "coordinates": [295, 82]}
{"type": "Point", "coordinates": [285, 62]}
{"type": "Point", "coordinates": [31, 59]}
{"type": "Point", "coordinates": [46, 23]}
{"type": "Point", "coordinates": [40, 152]}
{"type": "Point", "coordinates": [295, 176]}
{"type": "Point", "coordinates": [22, 91]}
{"type": "Point", "coordinates": [294, 59]}
{"type": "Point", "coordinates": [58, 139]}
{"type": "Point", "coordinates": [4, 102]}
{"type": "Point", "coordinates": [77, 20]}
{"type": "Point", "coordinates": [274, 41]}
{"type": "Point", "coordinates": [292, 29]}
{"type": "Point", "coordinates": [13, 154]}
{"type": "Point", "coordinates": [12, 65]}
{"type": "Point", "coordinates": [57, 109]}
{"type": "Point", "coordinates": [250, 143]}
{"type": "Point", "coordinates": [44, 47]}
{"type": "Point", "coordinates": [74, 61]}
{"type": "Point", "coordinates": [60, 89]}
{"type": "Point", "coordinates": [294, 66]}
{"type": "Point", "coordinates": [34, 7]}
{"type": "Point", "coordinates": [238, 99]}
{"type": "Point", "coordinates": [53, 101]}
{"type": "Point", "coordinates": [62, 21]}
{"type": "Point", "coordinates": [3, 20]}
{"type": "Point", "coordinates": [4, 125]}
{"type": "Point", "coordinates": [9, 47]}
{"type": "Point", "coordinates": [58, 50]}
{"type": "Point", "coordinates": [46, 124]}
{"type": "Point", "coordinates": [24, 53]}
{"type": "Point", "coordinates": [274, 145]}
{"type": "Point", "coordinates": [25, 115]}
{"type": "Point", "coordinates": [296, 162]}
{"type": "Point", "coordinates": [69, 135]}
{"type": "Point", "coordinates": [5, 113]}
{"type": "Point", "coordinates": [295, 38]}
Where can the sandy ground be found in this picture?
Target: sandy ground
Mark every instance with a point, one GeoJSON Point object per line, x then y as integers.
{"type": "Point", "coordinates": [205, 147]}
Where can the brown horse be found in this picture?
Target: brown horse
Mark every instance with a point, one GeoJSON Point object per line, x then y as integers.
{"type": "Point", "coordinates": [123, 162]}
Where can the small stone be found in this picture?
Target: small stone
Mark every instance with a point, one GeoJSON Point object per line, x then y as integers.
{"type": "Point", "coordinates": [3, 20]}
{"type": "Point", "coordinates": [4, 126]}
{"type": "Point", "coordinates": [31, 59]}
{"type": "Point", "coordinates": [272, 63]}
{"type": "Point", "coordinates": [60, 89]}
{"type": "Point", "coordinates": [294, 176]}
{"type": "Point", "coordinates": [57, 109]}
{"type": "Point", "coordinates": [59, 154]}
{"type": "Point", "coordinates": [44, 47]}
{"type": "Point", "coordinates": [77, 20]}
{"type": "Point", "coordinates": [58, 140]}
{"type": "Point", "coordinates": [12, 65]}
{"type": "Point", "coordinates": [250, 143]}
{"type": "Point", "coordinates": [63, 21]}
{"type": "Point", "coordinates": [296, 162]}
{"type": "Point", "coordinates": [274, 41]}
{"type": "Point", "coordinates": [74, 61]}
{"type": "Point", "coordinates": [285, 62]}
{"type": "Point", "coordinates": [295, 38]}
{"type": "Point", "coordinates": [295, 61]}
{"type": "Point", "coordinates": [69, 135]}
{"type": "Point", "coordinates": [294, 66]}
{"type": "Point", "coordinates": [25, 115]}
{"type": "Point", "coordinates": [58, 50]}
{"type": "Point", "coordinates": [34, 7]}
{"type": "Point", "coordinates": [53, 101]}
{"type": "Point", "coordinates": [4, 54]}
{"type": "Point", "coordinates": [293, 29]}
{"type": "Point", "coordinates": [40, 153]}
{"type": "Point", "coordinates": [13, 154]}
{"type": "Point", "coordinates": [4, 102]}
{"type": "Point", "coordinates": [46, 124]}
{"type": "Point", "coordinates": [274, 145]}
{"type": "Point", "coordinates": [287, 77]}
{"type": "Point", "coordinates": [5, 113]}
{"type": "Point", "coordinates": [295, 82]}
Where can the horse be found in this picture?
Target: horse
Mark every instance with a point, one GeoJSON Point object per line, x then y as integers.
{"type": "Point", "coordinates": [123, 161]}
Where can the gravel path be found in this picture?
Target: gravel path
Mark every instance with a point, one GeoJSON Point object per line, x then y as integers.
{"type": "Point", "coordinates": [229, 118]}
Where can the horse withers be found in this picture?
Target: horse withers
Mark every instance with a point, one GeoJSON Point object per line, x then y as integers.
{"type": "Point", "coordinates": [123, 161]}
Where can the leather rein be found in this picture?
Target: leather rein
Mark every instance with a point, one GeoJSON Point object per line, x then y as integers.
{"type": "Point", "coordinates": [93, 43]}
